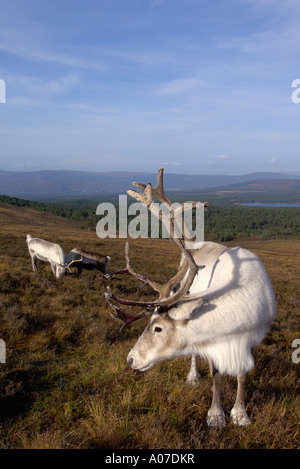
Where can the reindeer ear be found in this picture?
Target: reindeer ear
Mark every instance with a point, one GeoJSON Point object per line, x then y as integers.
{"type": "Point", "coordinates": [185, 310]}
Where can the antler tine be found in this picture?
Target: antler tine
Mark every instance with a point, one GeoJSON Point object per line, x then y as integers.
{"type": "Point", "coordinates": [156, 286]}
{"type": "Point", "coordinates": [147, 304]}
{"type": "Point", "coordinates": [158, 190]}
{"type": "Point", "coordinates": [130, 271]}
{"type": "Point", "coordinates": [74, 260]}
{"type": "Point", "coordinates": [120, 313]}
{"type": "Point", "coordinates": [145, 197]}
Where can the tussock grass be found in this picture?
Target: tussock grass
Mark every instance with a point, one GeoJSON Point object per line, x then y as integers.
{"type": "Point", "coordinates": [66, 383]}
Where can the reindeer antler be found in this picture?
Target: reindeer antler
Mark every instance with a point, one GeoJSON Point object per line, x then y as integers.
{"type": "Point", "coordinates": [70, 263]}
{"type": "Point", "coordinates": [120, 313]}
{"type": "Point", "coordinates": [157, 191]}
{"type": "Point", "coordinates": [187, 271]}
{"type": "Point", "coordinates": [165, 298]}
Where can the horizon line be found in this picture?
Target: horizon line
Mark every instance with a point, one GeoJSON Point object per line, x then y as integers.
{"type": "Point", "coordinates": [295, 172]}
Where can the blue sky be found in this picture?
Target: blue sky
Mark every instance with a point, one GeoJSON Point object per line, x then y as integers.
{"type": "Point", "coordinates": [196, 86]}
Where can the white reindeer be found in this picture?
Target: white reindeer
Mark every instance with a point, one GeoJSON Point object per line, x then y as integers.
{"type": "Point", "coordinates": [219, 312]}
{"type": "Point", "coordinates": [46, 251]}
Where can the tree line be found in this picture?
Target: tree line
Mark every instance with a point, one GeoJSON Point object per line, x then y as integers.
{"type": "Point", "coordinates": [221, 223]}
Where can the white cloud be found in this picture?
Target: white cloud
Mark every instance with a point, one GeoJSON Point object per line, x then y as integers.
{"type": "Point", "coordinates": [272, 160]}
{"type": "Point", "coordinates": [37, 86]}
{"type": "Point", "coordinates": [218, 158]}
{"type": "Point", "coordinates": [222, 157]}
{"type": "Point", "coordinates": [141, 57]}
{"type": "Point", "coordinates": [23, 101]}
{"type": "Point", "coordinates": [15, 42]}
{"type": "Point", "coordinates": [182, 85]}
{"type": "Point", "coordinates": [62, 84]}
{"type": "Point", "coordinates": [167, 163]}
{"type": "Point", "coordinates": [26, 166]}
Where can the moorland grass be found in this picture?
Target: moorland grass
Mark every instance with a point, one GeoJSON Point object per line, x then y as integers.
{"type": "Point", "coordinates": [66, 383]}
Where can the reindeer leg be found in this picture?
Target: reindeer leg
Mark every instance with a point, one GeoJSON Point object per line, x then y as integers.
{"type": "Point", "coordinates": [215, 415]}
{"type": "Point", "coordinates": [238, 412]}
{"type": "Point", "coordinates": [34, 261]}
{"type": "Point", "coordinates": [193, 376]}
{"type": "Point", "coordinates": [53, 267]}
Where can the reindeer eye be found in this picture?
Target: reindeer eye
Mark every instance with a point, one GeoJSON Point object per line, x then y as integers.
{"type": "Point", "coordinates": [157, 329]}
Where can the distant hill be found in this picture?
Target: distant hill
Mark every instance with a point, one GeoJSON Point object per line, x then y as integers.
{"type": "Point", "coordinates": [67, 183]}
{"type": "Point", "coordinates": [274, 191]}
{"type": "Point", "coordinates": [263, 185]}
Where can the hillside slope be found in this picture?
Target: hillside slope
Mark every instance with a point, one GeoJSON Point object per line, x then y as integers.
{"type": "Point", "coordinates": [66, 383]}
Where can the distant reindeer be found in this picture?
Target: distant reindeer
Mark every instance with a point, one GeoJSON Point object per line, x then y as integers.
{"type": "Point", "coordinates": [86, 260]}
{"type": "Point", "coordinates": [48, 252]}
{"type": "Point", "coordinates": [218, 306]}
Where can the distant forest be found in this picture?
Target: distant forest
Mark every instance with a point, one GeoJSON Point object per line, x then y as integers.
{"type": "Point", "coordinates": [222, 223]}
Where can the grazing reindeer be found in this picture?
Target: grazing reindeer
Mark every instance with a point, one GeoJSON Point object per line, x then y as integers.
{"type": "Point", "coordinates": [219, 312]}
{"type": "Point", "coordinates": [46, 251]}
{"type": "Point", "coordinates": [87, 260]}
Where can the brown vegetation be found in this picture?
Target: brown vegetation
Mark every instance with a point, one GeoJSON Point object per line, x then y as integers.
{"type": "Point", "coordinates": [66, 383]}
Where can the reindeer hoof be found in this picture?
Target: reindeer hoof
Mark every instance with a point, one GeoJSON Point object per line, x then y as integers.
{"type": "Point", "coordinates": [216, 419]}
{"type": "Point", "coordinates": [240, 418]}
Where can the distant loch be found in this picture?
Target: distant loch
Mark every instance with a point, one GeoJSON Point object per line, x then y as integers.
{"type": "Point", "coordinates": [258, 204]}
